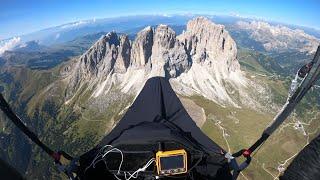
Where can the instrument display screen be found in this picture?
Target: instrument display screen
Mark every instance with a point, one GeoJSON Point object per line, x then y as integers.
{"type": "Point", "coordinates": [172, 162]}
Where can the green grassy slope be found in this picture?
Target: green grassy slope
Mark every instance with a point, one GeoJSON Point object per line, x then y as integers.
{"type": "Point", "coordinates": [237, 128]}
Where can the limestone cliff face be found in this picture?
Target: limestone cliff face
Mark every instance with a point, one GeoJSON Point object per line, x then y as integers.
{"type": "Point", "coordinates": [123, 58]}
{"type": "Point", "coordinates": [109, 53]}
{"type": "Point", "coordinates": [214, 70]}
{"type": "Point", "coordinates": [169, 56]}
{"type": "Point", "coordinates": [202, 60]}
{"type": "Point", "coordinates": [142, 48]}
{"type": "Point", "coordinates": [208, 43]}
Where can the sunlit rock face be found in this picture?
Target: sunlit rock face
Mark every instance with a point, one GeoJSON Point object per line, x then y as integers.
{"type": "Point", "coordinates": [201, 60]}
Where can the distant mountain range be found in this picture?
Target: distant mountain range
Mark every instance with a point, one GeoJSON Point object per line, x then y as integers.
{"type": "Point", "coordinates": [70, 31]}
{"type": "Point", "coordinates": [280, 38]}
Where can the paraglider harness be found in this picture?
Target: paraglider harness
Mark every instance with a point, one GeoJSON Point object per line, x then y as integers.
{"type": "Point", "coordinates": [173, 143]}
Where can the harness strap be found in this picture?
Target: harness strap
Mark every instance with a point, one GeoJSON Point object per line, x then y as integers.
{"type": "Point", "coordinates": [18, 122]}
{"type": "Point", "coordinates": [4, 106]}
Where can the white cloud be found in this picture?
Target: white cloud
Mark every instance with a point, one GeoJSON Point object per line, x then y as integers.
{"type": "Point", "coordinates": [75, 24]}
{"type": "Point", "coordinates": [57, 36]}
{"type": "Point", "coordinates": [9, 45]}
{"type": "Point", "coordinates": [166, 15]}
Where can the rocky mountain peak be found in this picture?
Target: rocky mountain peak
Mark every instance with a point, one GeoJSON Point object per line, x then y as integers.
{"type": "Point", "coordinates": [200, 23]}
{"type": "Point", "coordinates": [165, 37]}
{"type": "Point", "coordinates": [199, 61]}
{"type": "Point", "coordinates": [208, 41]}
{"type": "Point", "coordinates": [109, 53]}
{"type": "Point", "coordinates": [169, 57]}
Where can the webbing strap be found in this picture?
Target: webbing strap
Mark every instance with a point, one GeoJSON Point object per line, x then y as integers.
{"type": "Point", "coordinates": [4, 106]}
{"type": "Point", "coordinates": [17, 121]}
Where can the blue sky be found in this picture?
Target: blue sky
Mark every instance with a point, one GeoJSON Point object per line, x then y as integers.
{"type": "Point", "coordinates": [24, 16]}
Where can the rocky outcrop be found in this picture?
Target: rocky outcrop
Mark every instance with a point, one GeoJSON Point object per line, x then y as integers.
{"type": "Point", "coordinates": [202, 60]}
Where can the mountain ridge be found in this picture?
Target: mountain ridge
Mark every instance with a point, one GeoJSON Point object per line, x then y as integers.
{"type": "Point", "coordinates": [204, 47]}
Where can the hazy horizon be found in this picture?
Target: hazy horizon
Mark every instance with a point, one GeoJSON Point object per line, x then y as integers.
{"type": "Point", "coordinates": [164, 15]}
{"type": "Point", "coordinates": [18, 17]}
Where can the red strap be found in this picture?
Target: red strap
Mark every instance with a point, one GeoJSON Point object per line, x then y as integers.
{"type": "Point", "coordinates": [246, 153]}
{"type": "Point", "coordinates": [56, 156]}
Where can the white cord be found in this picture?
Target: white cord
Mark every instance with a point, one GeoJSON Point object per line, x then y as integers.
{"type": "Point", "coordinates": [117, 150]}
{"type": "Point", "coordinates": [102, 156]}
{"type": "Point", "coordinates": [136, 173]}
